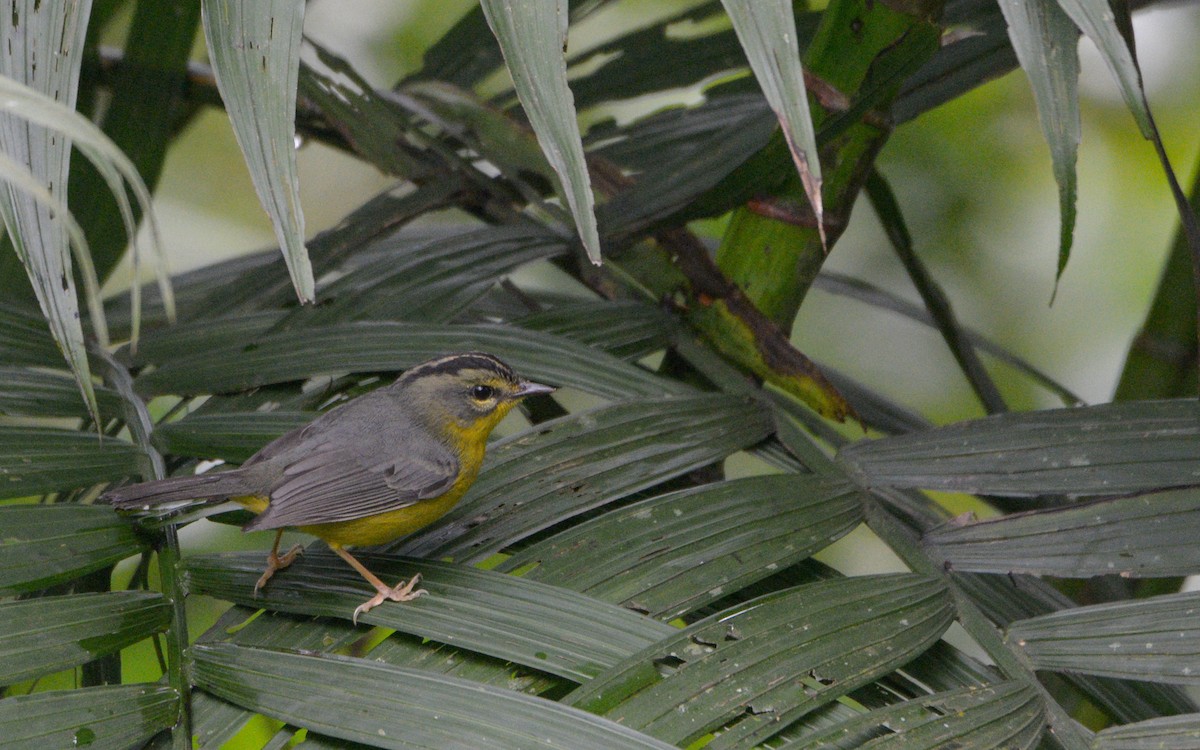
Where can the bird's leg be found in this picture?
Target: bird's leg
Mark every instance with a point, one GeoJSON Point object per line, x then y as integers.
{"type": "Point", "coordinates": [402, 592]}
{"type": "Point", "coordinates": [275, 561]}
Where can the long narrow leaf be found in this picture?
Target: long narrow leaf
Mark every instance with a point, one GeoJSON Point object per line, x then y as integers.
{"type": "Point", "coordinates": [1046, 42]}
{"type": "Point", "coordinates": [767, 31]}
{"type": "Point", "coordinates": [1168, 733]}
{"type": "Point", "coordinates": [431, 281]}
{"type": "Point", "coordinates": [1004, 716]}
{"type": "Point", "coordinates": [36, 460]}
{"type": "Point", "coordinates": [43, 393]}
{"type": "Point", "coordinates": [25, 339]}
{"type": "Point", "coordinates": [533, 37]}
{"type": "Point", "coordinates": [43, 49]}
{"type": "Point", "coordinates": [230, 436]}
{"type": "Point", "coordinates": [392, 707]}
{"type": "Point", "coordinates": [1151, 535]}
{"type": "Point", "coordinates": [629, 330]}
{"type": "Point", "coordinates": [41, 636]}
{"type": "Point", "coordinates": [670, 554]}
{"type": "Point", "coordinates": [377, 346]}
{"type": "Point", "coordinates": [1155, 639]}
{"type": "Point", "coordinates": [733, 668]}
{"type": "Point", "coordinates": [46, 115]}
{"type": "Point", "coordinates": [113, 717]}
{"type": "Point", "coordinates": [529, 623]}
{"type": "Point", "coordinates": [1096, 19]}
{"type": "Point", "coordinates": [45, 545]}
{"type": "Point", "coordinates": [1097, 450]}
{"type": "Point", "coordinates": [255, 49]}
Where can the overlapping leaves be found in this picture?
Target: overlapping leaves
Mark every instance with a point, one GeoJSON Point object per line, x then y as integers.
{"type": "Point", "coordinates": [609, 511]}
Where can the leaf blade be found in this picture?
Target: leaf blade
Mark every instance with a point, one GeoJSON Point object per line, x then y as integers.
{"type": "Point", "coordinates": [256, 59]}
{"type": "Point", "coordinates": [111, 717]}
{"type": "Point", "coordinates": [1155, 639]}
{"type": "Point", "coordinates": [85, 627]}
{"type": "Point", "coordinates": [1097, 450]}
{"type": "Point", "coordinates": [1134, 537]}
{"type": "Point", "coordinates": [45, 545]}
{"type": "Point", "coordinates": [1046, 42]}
{"type": "Point", "coordinates": [673, 553]}
{"type": "Point", "coordinates": [393, 707]}
{"type": "Point", "coordinates": [533, 36]}
{"type": "Point", "coordinates": [549, 629]}
{"type": "Point", "coordinates": [767, 32]}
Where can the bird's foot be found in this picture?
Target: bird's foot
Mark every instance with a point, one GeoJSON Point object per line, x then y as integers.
{"type": "Point", "coordinates": [401, 592]}
{"type": "Point", "coordinates": [276, 561]}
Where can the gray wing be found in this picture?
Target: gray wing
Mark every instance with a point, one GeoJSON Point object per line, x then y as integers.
{"type": "Point", "coordinates": [335, 483]}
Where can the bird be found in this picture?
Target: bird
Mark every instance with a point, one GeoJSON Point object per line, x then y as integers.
{"type": "Point", "coordinates": [367, 472]}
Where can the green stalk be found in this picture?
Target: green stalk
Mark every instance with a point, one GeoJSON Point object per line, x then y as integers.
{"type": "Point", "coordinates": [859, 57]}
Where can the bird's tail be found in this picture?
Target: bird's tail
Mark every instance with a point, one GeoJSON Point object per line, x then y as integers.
{"type": "Point", "coordinates": [221, 484]}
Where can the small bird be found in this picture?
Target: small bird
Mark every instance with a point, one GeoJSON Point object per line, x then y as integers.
{"type": "Point", "coordinates": [368, 472]}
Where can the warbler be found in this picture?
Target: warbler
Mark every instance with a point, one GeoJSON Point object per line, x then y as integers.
{"type": "Point", "coordinates": [370, 471]}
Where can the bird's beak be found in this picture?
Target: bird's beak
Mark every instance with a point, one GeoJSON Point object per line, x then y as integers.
{"type": "Point", "coordinates": [532, 389]}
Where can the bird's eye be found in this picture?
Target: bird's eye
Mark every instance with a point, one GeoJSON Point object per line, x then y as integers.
{"type": "Point", "coordinates": [482, 392]}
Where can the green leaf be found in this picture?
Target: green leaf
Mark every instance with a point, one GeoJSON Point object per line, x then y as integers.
{"type": "Point", "coordinates": [543, 627]}
{"type": "Point", "coordinates": [464, 54]}
{"type": "Point", "coordinates": [230, 436]}
{"type": "Point", "coordinates": [113, 717]}
{"type": "Point", "coordinates": [671, 554]}
{"type": "Point", "coordinates": [380, 126]}
{"type": "Point", "coordinates": [405, 650]}
{"type": "Point", "coordinates": [1135, 537]}
{"type": "Point", "coordinates": [1096, 19]}
{"type": "Point", "coordinates": [629, 330]}
{"type": "Point", "coordinates": [1003, 716]}
{"type": "Point", "coordinates": [533, 36]}
{"type": "Point", "coordinates": [735, 670]}
{"type": "Point", "coordinates": [1046, 42]}
{"type": "Point", "coordinates": [1168, 733]}
{"type": "Point", "coordinates": [1017, 597]}
{"type": "Point", "coordinates": [673, 189]}
{"type": "Point", "coordinates": [979, 52]}
{"type": "Point", "coordinates": [1155, 639]}
{"type": "Point", "coordinates": [430, 281]}
{"type": "Point", "coordinates": [672, 134]}
{"type": "Point", "coordinates": [392, 707]}
{"type": "Point", "coordinates": [570, 465]}
{"type": "Point", "coordinates": [40, 130]}
{"type": "Point", "coordinates": [42, 636]}
{"type": "Point", "coordinates": [44, 393]}
{"type": "Point", "coordinates": [185, 338]}
{"type": "Point", "coordinates": [25, 338]}
{"type": "Point", "coordinates": [382, 346]}
{"type": "Point", "coordinates": [767, 31]}
{"type": "Point", "coordinates": [631, 61]}
{"type": "Point", "coordinates": [215, 721]}
{"type": "Point", "coordinates": [1098, 450]}
{"type": "Point", "coordinates": [140, 116]}
{"type": "Point", "coordinates": [255, 51]}
{"type": "Point", "coordinates": [46, 545]}
{"type": "Point", "coordinates": [42, 51]}
{"type": "Point", "coordinates": [250, 290]}
{"type": "Point", "coordinates": [37, 460]}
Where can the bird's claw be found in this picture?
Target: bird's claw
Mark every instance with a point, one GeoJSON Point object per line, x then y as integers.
{"type": "Point", "coordinates": [276, 562]}
{"type": "Point", "coordinates": [401, 592]}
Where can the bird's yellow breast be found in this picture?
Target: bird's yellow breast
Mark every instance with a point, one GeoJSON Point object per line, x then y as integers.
{"type": "Point", "coordinates": [391, 525]}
